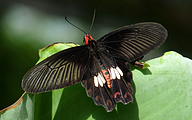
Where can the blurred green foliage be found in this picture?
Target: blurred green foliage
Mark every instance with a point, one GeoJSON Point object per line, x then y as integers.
{"type": "Point", "coordinates": [27, 26]}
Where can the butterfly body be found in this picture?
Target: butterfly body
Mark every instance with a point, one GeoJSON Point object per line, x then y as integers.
{"type": "Point", "coordinates": [102, 66]}
{"type": "Point", "coordinates": [105, 73]}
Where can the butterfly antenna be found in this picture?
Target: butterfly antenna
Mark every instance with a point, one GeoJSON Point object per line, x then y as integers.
{"type": "Point", "coordinates": [92, 20]}
{"type": "Point", "coordinates": [74, 25]}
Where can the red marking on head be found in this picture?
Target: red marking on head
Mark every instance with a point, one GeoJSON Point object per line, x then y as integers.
{"type": "Point", "coordinates": [87, 38]}
{"type": "Point", "coordinates": [117, 93]}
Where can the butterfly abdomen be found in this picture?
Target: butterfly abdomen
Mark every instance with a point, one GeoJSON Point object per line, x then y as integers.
{"type": "Point", "coordinates": [105, 73]}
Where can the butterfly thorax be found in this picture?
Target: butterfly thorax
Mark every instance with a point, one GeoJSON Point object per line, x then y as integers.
{"type": "Point", "coordinates": [88, 38]}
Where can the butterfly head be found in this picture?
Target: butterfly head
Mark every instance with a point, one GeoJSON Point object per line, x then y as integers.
{"type": "Point", "coordinates": [88, 38]}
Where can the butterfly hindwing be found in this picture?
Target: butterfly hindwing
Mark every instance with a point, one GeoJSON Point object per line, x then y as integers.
{"type": "Point", "coordinates": [122, 88]}
{"type": "Point", "coordinates": [57, 71]}
{"type": "Point", "coordinates": [133, 41]}
{"type": "Point", "coordinates": [100, 93]}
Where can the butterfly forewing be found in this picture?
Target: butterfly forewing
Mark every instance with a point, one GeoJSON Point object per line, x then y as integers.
{"type": "Point", "coordinates": [133, 41]}
{"type": "Point", "coordinates": [57, 71]}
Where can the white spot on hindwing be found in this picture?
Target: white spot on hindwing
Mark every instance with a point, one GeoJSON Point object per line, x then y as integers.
{"type": "Point", "coordinates": [112, 73]}
{"type": "Point", "coordinates": [119, 70]}
{"type": "Point", "coordinates": [96, 81]}
{"type": "Point", "coordinates": [99, 80]}
{"type": "Point", "coordinates": [115, 73]}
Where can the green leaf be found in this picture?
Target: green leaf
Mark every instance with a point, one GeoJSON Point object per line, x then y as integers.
{"type": "Point", "coordinates": [162, 91]}
{"type": "Point", "coordinates": [53, 48]}
{"type": "Point", "coordinates": [24, 111]}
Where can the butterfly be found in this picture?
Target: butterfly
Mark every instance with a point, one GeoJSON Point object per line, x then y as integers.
{"type": "Point", "coordinates": [102, 66]}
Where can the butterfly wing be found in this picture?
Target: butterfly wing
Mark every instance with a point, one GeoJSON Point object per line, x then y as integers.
{"type": "Point", "coordinates": [133, 41]}
{"type": "Point", "coordinates": [121, 77]}
{"type": "Point", "coordinates": [122, 88]}
{"type": "Point", "coordinates": [62, 69]}
{"type": "Point", "coordinates": [100, 94]}
{"type": "Point", "coordinates": [125, 45]}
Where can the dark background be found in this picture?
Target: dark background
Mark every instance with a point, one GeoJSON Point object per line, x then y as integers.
{"type": "Point", "coordinates": [28, 25]}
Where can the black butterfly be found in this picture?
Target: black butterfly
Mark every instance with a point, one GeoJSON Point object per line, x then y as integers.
{"type": "Point", "coordinates": [101, 66]}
